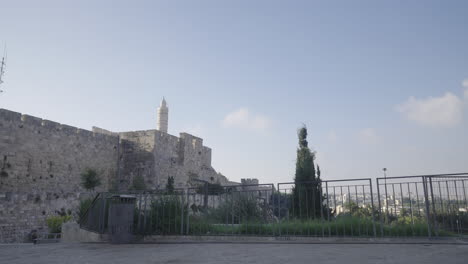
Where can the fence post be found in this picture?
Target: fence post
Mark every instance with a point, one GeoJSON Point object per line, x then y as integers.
{"type": "Point", "coordinates": [139, 213]}
{"type": "Point", "coordinates": [372, 208]}
{"type": "Point", "coordinates": [328, 209]}
{"type": "Point", "coordinates": [182, 212]}
{"type": "Point", "coordinates": [188, 212]}
{"type": "Point", "coordinates": [103, 214]}
{"type": "Point", "coordinates": [321, 208]}
{"type": "Point", "coordinates": [436, 231]}
{"type": "Point", "coordinates": [426, 198]}
{"type": "Point", "coordinates": [380, 209]}
{"type": "Point", "coordinates": [205, 196]}
{"type": "Point", "coordinates": [144, 229]}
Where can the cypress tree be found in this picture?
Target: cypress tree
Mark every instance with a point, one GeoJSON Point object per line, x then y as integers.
{"type": "Point", "coordinates": [307, 188]}
{"type": "Point", "coordinates": [170, 185]}
{"type": "Point", "coordinates": [318, 172]}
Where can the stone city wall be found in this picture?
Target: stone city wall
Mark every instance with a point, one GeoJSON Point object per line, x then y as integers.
{"type": "Point", "coordinates": [40, 166]}
{"type": "Point", "coordinates": [22, 212]}
{"type": "Point", "coordinates": [41, 163]}
{"type": "Point", "coordinates": [184, 158]}
{"type": "Point", "coordinates": [137, 158]}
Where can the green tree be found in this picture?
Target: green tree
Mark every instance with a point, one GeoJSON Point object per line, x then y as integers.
{"type": "Point", "coordinates": [170, 185]}
{"type": "Point", "coordinates": [307, 191]}
{"type": "Point", "coordinates": [318, 172]}
{"type": "Point", "coordinates": [90, 179]}
{"type": "Point", "coordinates": [138, 183]}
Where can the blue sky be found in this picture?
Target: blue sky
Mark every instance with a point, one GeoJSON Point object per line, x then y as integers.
{"type": "Point", "coordinates": [378, 83]}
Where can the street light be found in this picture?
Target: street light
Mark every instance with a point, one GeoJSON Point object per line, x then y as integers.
{"type": "Point", "coordinates": [386, 196]}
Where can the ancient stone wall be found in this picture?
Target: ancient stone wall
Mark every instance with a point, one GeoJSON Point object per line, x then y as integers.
{"type": "Point", "coordinates": [184, 158]}
{"type": "Point", "coordinates": [40, 166]}
{"type": "Point", "coordinates": [25, 211]}
{"type": "Point", "coordinates": [137, 158]}
{"type": "Point", "coordinates": [41, 155]}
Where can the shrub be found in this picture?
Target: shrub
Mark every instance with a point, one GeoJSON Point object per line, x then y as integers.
{"type": "Point", "coordinates": [165, 215]}
{"type": "Point", "coordinates": [240, 207]}
{"type": "Point", "coordinates": [83, 207]}
{"type": "Point", "coordinates": [55, 222]}
{"type": "Point", "coordinates": [90, 179]}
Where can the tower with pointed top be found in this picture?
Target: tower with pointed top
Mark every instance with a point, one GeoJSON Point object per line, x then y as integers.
{"type": "Point", "coordinates": [163, 116]}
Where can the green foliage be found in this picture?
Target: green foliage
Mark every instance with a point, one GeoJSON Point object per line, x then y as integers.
{"type": "Point", "coordinates": [307, 191]}
{"type": "Point", "coordinates": [340, 226]}
{"type": "Point", "coordinates": [90, 179]}
{"type": "Point", "coordinates": [238, 208]}
{"type": "Point", "coordinates": [138, 183]}
{"type": "Point", "coordinates": [170, 185]}
{"type": "Point", "coordinates": [166, 214]}
{"type": "Point", "coordinates": [83, 207]}
{"type": "Point", "coordinates": [355, 210]}
{"type": "Point", "coordinates": [55, 222]}
{"type": "Point", "coordinates": [281, 203]}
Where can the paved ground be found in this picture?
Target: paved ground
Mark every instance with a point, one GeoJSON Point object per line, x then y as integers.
{"type": "Point", "coordinates": [233, 253]}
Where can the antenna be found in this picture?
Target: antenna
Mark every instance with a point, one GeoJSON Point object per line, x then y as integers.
{"type": "Point", "coordinates": [2, 66]}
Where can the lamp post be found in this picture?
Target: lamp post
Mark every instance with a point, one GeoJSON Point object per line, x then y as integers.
{"type": "Point", "coordinates": [386, 196]}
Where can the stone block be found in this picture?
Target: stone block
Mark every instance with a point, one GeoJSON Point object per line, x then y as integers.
{"type": "Point", "coordinates": [10, 116]}
{"type": "Point", "coordinates": [50, 124]}
{"type": "Point", "coordinates": [31, 120]}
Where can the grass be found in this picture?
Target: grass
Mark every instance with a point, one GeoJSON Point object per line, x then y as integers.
{"type": "Point", "coordinates": [242, 216]}
{"type": "Point", "coordinates": [340, 227]}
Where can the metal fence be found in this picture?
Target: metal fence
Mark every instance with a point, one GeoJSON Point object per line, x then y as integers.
{"type": "Point", "coordinates": [326, 208]}
{"type": "Point", "coordinates": [428, 206]}
{"type": "Point", "coordinates": [95, 217]}
{"type": "Point", "coordinates": [432, 205]}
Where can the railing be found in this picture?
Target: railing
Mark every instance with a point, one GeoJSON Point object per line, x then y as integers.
{"type": "Point", "coordinates": [95, 217]}
{"type": "Point", "coordinates": [429, 205]}
{"type": "Point", "coordinates": [449, 204]}
{"type": "Point", "coordinates": [413, 206]}
{"type": "Point", "coordinates": [327, 208]}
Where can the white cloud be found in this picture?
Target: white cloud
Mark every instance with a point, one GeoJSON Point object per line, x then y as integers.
{"type": "Point", "coordinates": [465, 83]}
{"type": "Point", "coordinates": [242, 118]}
{"type": "Point", "coordinates": [368, 136]}
{"type": "Point", "coordinates": [446, 110]}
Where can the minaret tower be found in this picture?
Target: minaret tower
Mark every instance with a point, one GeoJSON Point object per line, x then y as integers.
{"type": "Point", "coordinates": [163, 116]}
